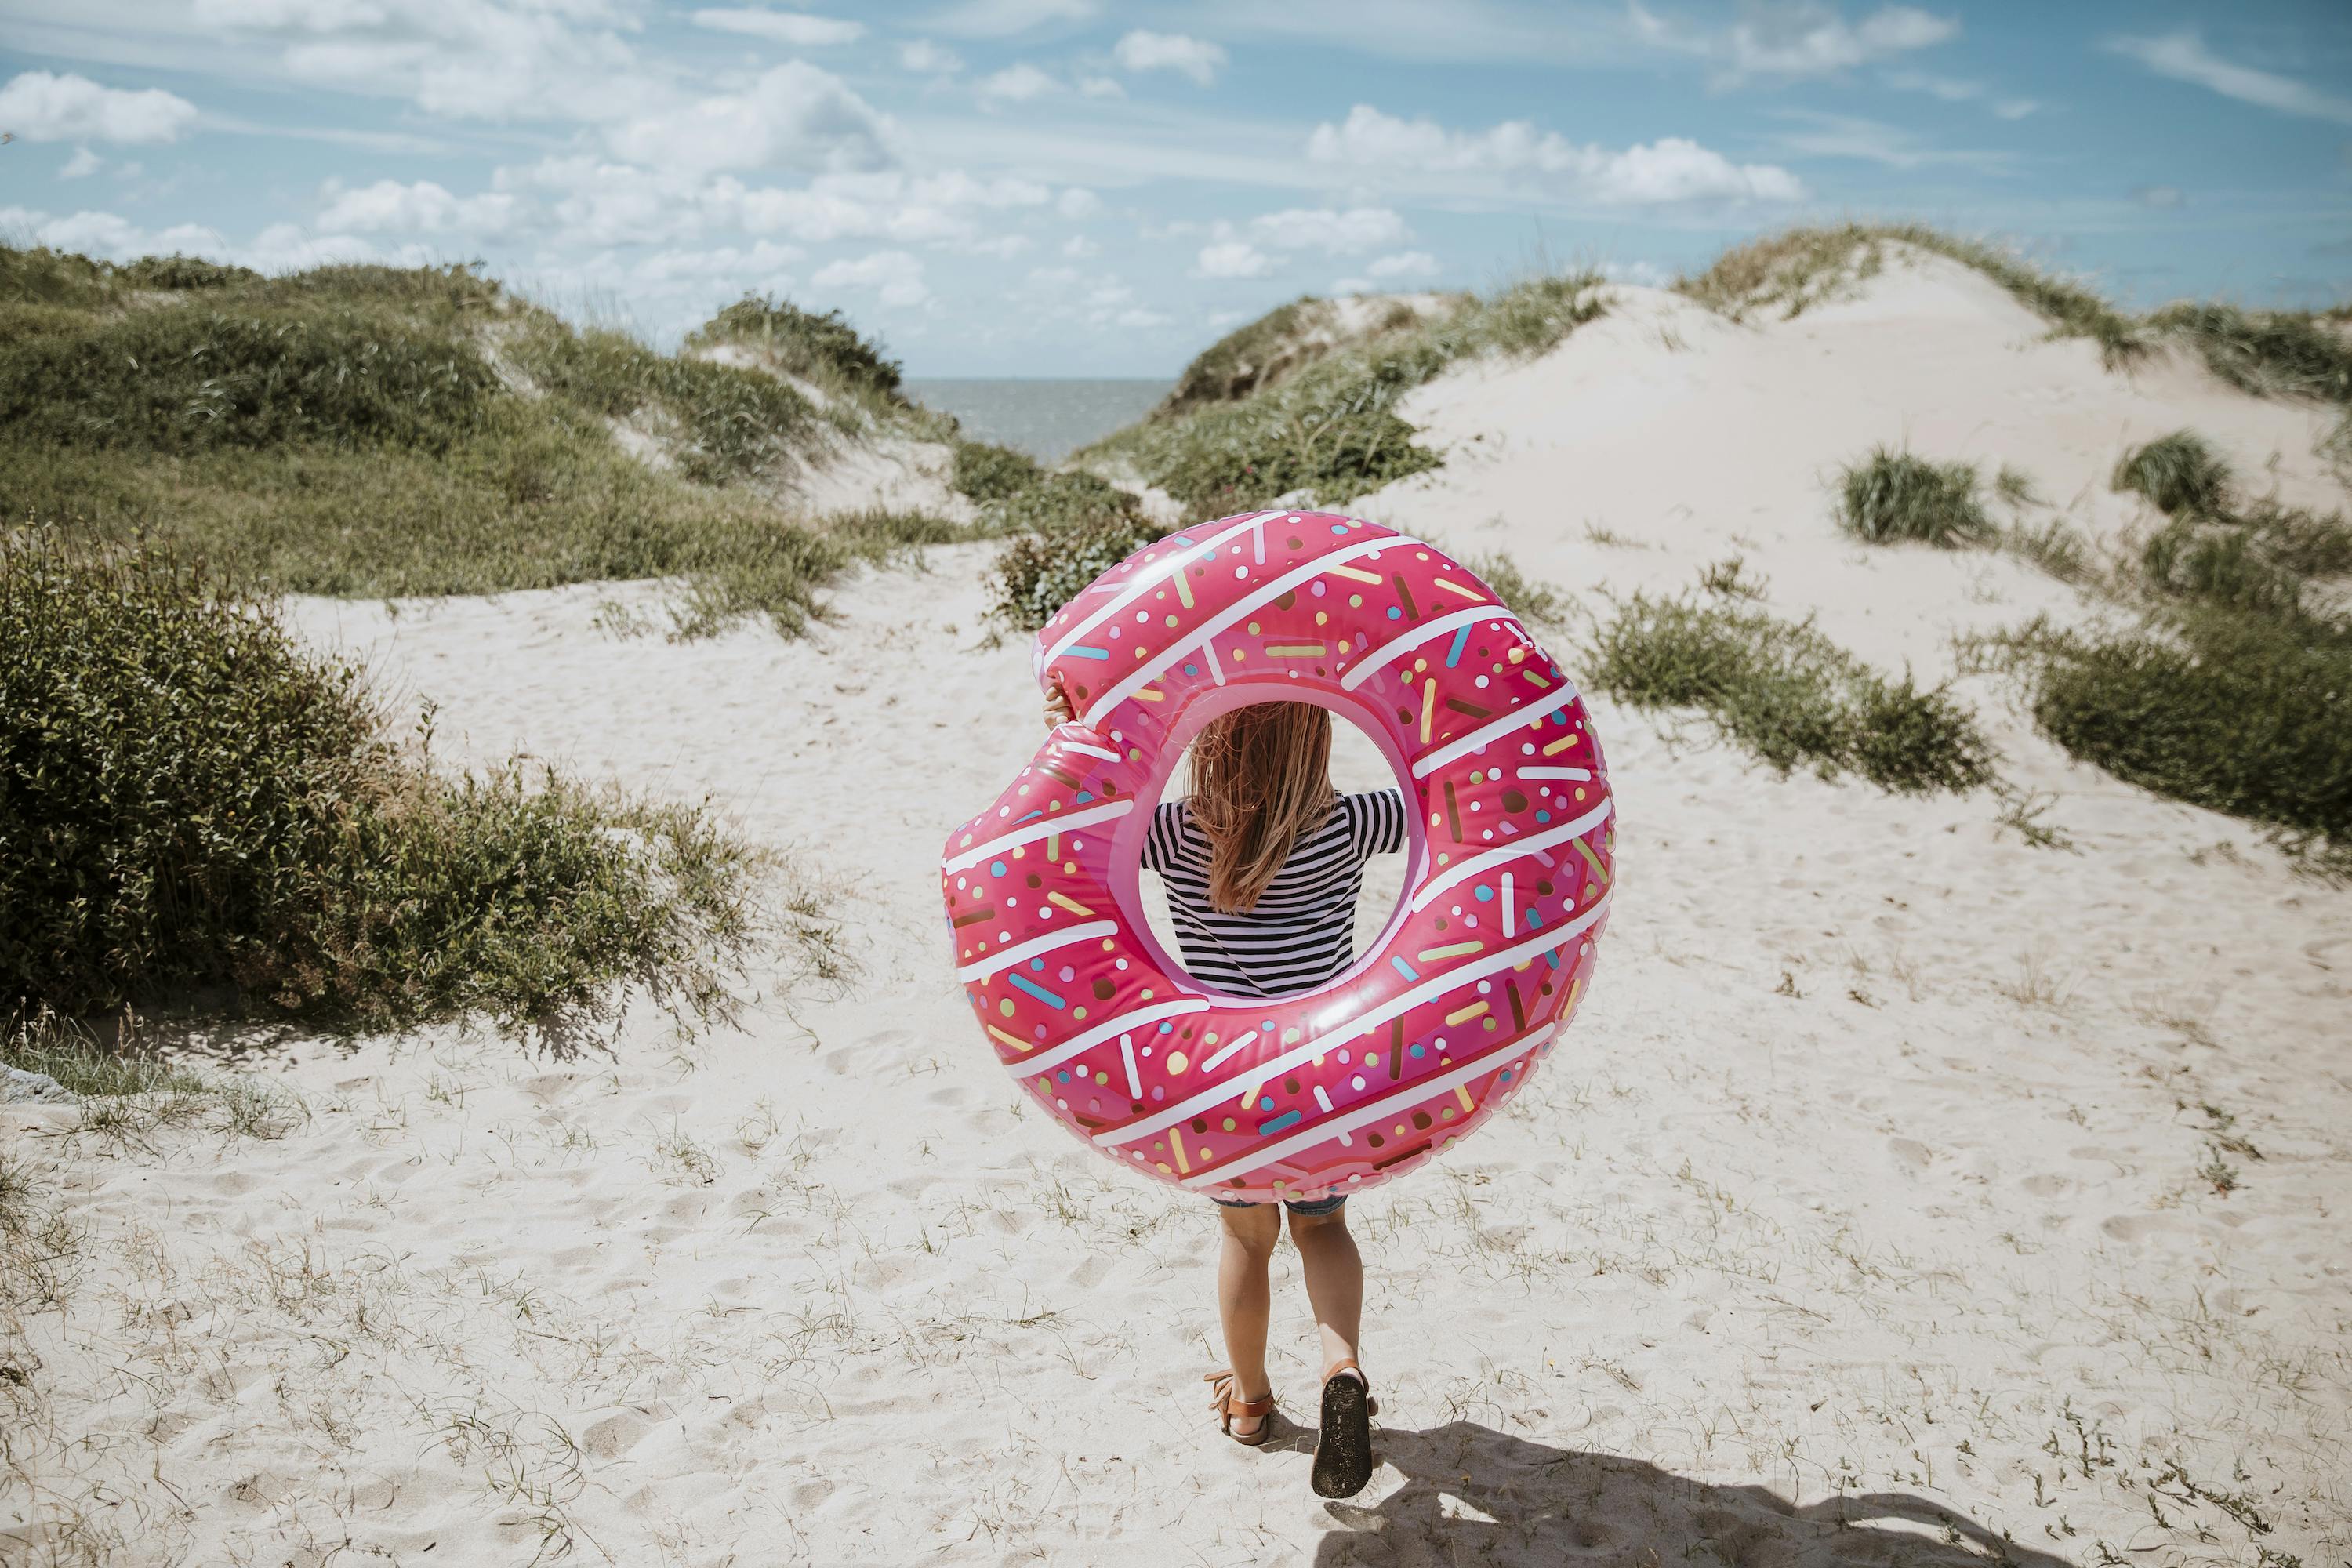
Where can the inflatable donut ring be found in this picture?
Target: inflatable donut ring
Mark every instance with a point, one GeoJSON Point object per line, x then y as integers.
{"type": "Point", "coordinates": [1333, 1089]}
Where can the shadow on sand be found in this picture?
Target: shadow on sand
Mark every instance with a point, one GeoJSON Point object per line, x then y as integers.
{"type": "Point", "coordinates": [1551, 1506]}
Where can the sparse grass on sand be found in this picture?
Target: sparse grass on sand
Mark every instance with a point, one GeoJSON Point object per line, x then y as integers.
{"type": "Point", "coordinates": [1890, 496]}
{"type": "Point", "coordinates": [821, 347]}
{"type": "Point", "coordinates": [1330, 431]}
{"type": "Point", "coordinates": [2268, 353]}
{"type": "Point", "coordinates": [1275, 346]}
{"type": "Point", "coordinates": [1790, 271]}
{"type": "Point", "coordinates": [2234, 689]}
{"type": "Point", "coordinates": [1787, 693]}
{"type": "Point", "coordinates": [190, 802]}
{"type": "Point", "coordinates": [379, 431]}
{"type": "Point", "coordinates": [128, 1094]}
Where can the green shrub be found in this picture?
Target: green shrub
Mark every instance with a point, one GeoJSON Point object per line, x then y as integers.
{"type": "Point", "coordinates": [2272, 353]}
{"type": "Point", "coordinates": [1787, 694]}
{"type": "Point", "coordinates": [2178, 473]}
{"type": "Point", "coordinates": [2248, 714]}
{"type": "Point", "coordinates": [2301, 541]}
{"type": "Point", "coordinates": [187, 379]}
{"type": "Point", "coordinates": [1893, 495]}
{"type": "Point", "coordinates": [187, 801]}
{"type": "Point", "coordinates": [2055, 547]}
{"type": "Point", "coordinates": [987, 472]}
{"type": "Point", "coordinates": [1331, 430]}
{"type": "Point", "coordinates": [1538, 604]}
{"type": "Point", "coordinates": [822, 346]}
{"type": "Point", "coordinates": [1064, 533]}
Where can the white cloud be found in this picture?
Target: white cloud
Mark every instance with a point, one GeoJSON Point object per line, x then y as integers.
{"type": "Point", "coordinates": [794, 116]}
{"type": "Point", "coordinates": [1079, 246]}
{"type": "Point", "coordinates": [1100, 87]}
{"type": "Point", "coordinates": [2159, 196]}
{"type": "Point", "coordinates": [1670, 170]}
{"type": "Point", "coordinates": [1002, 18]}
{"type": "Point", "coordinates": [40, 106]}
{"type": "Point", "coordinates": [1802, 39]}
{"type": "Point", "coordinates": [83, 162]}
{"type": "Point", "coordinates": [1404, 264]}
{"type": "Point", "coordinates": [461, 59]}
{"type": "Point", "coordinates": [389, 206]}
{"type": "Point", "coordinates": [796, 28]}
{"type": "Point", "coordinates": [1078, 202]}
{"type": "Point", "coordinates": [924, 55]}
{"type": "Point", "coordinates": [2184, 56]}
{"type": "Point", "coordinates": [1003, 248]}
{"type": "Point", "coordinates": [1194, 58]}
{"type": "Point", "coordinates": [1234, 259]}
{"type": "Point", "coordinates": [1016, 84]}
{"type": "Point", "coordinates": [110, 236]}
{"type": "Point", "coordinates": [1341, 233]}
{"type": "Point", "coordinates": [1873, 142]}
{"type": "Point", "coordinates": [1138, 320]}
{"type": "Point", "coordinates": [894, 277]}
{"type": "Point", "coordinates": [1952, 89]}
{"type": "Point", "coordinates": [738, 267]}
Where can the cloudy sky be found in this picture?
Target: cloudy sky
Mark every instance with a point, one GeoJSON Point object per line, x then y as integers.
{"type": "Point", "coordinates": [1058, 187]}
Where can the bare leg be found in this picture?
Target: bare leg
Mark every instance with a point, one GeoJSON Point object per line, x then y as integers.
{"type": "Point", "coordinates": [1335, 1280]}
{"type": "Point", "coordinates": [1244, 1298]}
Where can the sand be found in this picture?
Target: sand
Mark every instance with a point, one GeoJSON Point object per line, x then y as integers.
{"type": "Point", "coordinates": [1868, 1213]}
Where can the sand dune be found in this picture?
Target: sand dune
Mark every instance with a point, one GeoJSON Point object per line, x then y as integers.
{"type": "Point", "coordinates": [1860, 1220]}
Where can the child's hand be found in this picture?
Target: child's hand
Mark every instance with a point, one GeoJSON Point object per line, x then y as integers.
{"type": "Point", "coordinates": [1057, 708]}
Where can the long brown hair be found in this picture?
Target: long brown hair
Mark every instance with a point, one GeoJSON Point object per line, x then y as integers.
{"type": "Point", "coordinates": [1261, 777]}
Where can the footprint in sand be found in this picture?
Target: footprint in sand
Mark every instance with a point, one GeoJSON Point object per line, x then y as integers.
{"type": "Point", "coordinates": [1910, 1151]}
{"type": "Point", "coordinates": [2046, 1185]}
{"type": "Point", "coordinates": [612, 1435]}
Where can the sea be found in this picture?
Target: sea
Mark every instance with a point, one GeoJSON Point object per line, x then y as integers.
{"type": "Point", "coordinates": [1047, 418]}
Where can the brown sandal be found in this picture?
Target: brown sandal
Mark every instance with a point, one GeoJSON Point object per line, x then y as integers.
{"type": "Point", "coordinates": [1222, 1401]}
{"type": "Point", "coordinates": [1343, 1444]}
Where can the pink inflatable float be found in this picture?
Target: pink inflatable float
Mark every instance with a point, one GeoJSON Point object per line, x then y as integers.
{"type": "Point", "coordinates": [1483, 961]}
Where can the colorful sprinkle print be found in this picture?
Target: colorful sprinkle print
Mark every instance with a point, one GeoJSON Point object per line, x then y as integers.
{"type": "Point", "coordinates": [1488, 954]}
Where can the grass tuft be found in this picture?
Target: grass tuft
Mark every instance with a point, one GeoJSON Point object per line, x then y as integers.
{"type": "Point", "coordinates": [1787, 694]}
{"type": "Point", "coordinates": [1890, 496]}
{"type": "Point", "coordinates": [2178, 473]}
{"type": "Point", "coordinates": [188, 802]}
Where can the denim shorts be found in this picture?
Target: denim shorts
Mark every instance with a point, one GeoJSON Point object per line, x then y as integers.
{"type": "Point", "coordinates": [1313, 1209]}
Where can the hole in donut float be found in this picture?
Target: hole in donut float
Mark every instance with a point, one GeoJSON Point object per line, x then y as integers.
{"type": "Point", "coordinates": [1357, 767]}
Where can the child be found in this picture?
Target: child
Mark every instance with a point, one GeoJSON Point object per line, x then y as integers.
{"type": "Point", "coordinates": [1263, 864]}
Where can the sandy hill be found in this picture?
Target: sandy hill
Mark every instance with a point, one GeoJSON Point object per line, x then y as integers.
{"type": "Point", "coordinates": [1909, 1191]}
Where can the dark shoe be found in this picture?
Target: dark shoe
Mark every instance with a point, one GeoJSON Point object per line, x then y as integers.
{"type": "Point", "coordinates": [1343, 1448]}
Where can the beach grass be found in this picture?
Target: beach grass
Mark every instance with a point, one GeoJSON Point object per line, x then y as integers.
{"type": "Point", "coordinates": [1330, 431]}
{"type": "Point", "coordinates": [1893, 495]}
{"type": "Point", "coordinates": [385, 432]}
{"type": "Point", "coordinates": [1787, 694]}
{"type": "Point", "coordinates": [194, 804]}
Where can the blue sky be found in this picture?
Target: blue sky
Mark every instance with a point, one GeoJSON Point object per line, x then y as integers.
{"type": "Point", "coordinates": [1073, 187]}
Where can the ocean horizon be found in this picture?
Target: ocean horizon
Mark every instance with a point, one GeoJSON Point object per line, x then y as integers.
{"type": "Point", "coordinates": [1046, 417]}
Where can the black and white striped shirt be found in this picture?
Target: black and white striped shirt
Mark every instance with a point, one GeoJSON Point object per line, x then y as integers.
{"type": "Point", "coordinates": [1302, 931]}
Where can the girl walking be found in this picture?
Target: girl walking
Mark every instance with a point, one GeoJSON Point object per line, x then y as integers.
{"type": "Point", "coordinates": [1263, 864]}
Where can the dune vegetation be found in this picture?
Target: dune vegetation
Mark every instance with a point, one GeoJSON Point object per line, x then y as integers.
{"type": "Point", "coordinates": [193, 808]}
{"type": "Point", "coordinates": [2268, 353]}
{"type": "Point", "coordinates": [369, 430]}
{"type": "Point", "coordinates": [1893, 495]}
{"type": "Point", "coordinates": [2232, 686]}
{"type": "Point", "coordinates": [1330, 430]}
{"type": "Point", "coordinates": [1786, 693]}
